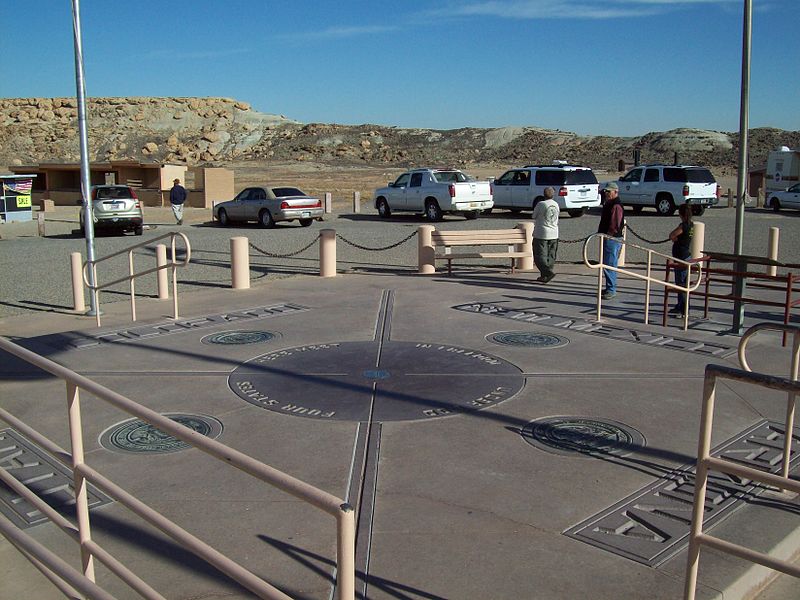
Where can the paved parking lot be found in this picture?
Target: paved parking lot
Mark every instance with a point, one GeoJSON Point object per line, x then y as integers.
{"type": "Point", "coordinates": [38, 268]}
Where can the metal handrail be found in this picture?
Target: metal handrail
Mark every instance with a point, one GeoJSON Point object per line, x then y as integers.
{"type": "Point", "coordinates": [706, 463]}
{"type": "Point", "coordinates": [338, 508]}
{"type": "Point", "coordinates": [689, 287]}
{"type": "Point", "coordinates": [130, 278]}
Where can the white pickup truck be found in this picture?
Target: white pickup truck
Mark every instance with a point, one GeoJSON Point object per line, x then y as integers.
{"type": "Point", "coordinates": [435, 192]}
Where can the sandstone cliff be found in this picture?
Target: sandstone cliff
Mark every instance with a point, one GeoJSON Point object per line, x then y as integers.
{"type": "Point", "coordinates": [213, 131]}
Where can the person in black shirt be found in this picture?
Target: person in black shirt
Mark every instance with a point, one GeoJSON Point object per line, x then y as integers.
{"type": "Point", "coordinates": [177, 196]}
{"type": "Point", "coordinates": [681, 238]}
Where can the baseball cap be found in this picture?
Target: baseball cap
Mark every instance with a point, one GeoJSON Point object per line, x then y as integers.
{"type": "Point", "coordinates": [611, 185]}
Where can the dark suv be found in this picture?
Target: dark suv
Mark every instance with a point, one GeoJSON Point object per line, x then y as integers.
{"type": "Point", "coordinates": [115, 207]}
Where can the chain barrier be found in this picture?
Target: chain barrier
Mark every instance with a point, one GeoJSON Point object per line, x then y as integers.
{"type": "Point", "coordinates": [389, 247]}
{"type": "Point", "coordinates": [289, 255]}
{"type": "Point", "coordinates": [579, 240]}
{"type": "Point", "coordinates": [628, 227]}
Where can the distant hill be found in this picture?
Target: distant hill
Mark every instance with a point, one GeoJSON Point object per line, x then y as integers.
{"type": "Point", "coordinates": [213, 131]}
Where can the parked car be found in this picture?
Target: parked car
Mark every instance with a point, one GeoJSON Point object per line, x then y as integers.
{"type": "Point", "coordinates": [114, 207]}
{"type": "Point", "coordinates": [664, 187]}
{"type": "Point", "coordinates": [269, 205]}
{"type": "Point", "coordinates": [519, 189]}
{"type": "Point", "coordinates": [434, 192]}
{"type": "Point", "coordinates": [786, 199]}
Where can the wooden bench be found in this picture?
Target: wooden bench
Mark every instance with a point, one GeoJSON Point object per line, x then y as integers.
{"type": "Point", "coordinates": [513, 239]}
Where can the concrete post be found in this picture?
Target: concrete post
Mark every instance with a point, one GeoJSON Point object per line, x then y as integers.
{"type": "Point", "coordinates": [163, 279]}
{"type": "Point", "coordinates": [774, 237]}
{"type": "Point", "coordinates": [327, 253]}
{"type": "Point", "coordinates": [40, 224]}
{"type": "Point", "coordinates": [356, 202]}
{"type": "Point", "coordinates": [425, 251]}
{"type": "Point", "coordinates": [526, 264]}
{"type": "Point", "coordinates": [240, 263]}
{"type": "Point", "coordinates": [76, 265]}
{"type": "Point", "coordinates": [328, 203]}
{"type": "Point", "coordinates": [621, 259]}
{"type": "Point", "coordinates": [698, 239]}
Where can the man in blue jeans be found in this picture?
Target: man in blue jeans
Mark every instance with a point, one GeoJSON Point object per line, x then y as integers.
{"type": "Point", "coordinates": [611, 223]}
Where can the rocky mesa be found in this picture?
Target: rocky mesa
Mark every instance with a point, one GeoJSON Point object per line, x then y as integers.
{"type": "Point", "coordinates": [213, 131]}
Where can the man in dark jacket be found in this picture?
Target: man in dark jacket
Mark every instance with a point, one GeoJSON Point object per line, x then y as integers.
{"type": "Point", "coordinates": [177, 197]}
{"type": "Point", "coordinates": [611, 223]}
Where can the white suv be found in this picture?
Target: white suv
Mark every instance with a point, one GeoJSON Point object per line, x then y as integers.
{"type": "Point", "coordinates": [519, 189]}
{"type": "Point", "coordinates": [664, 187]}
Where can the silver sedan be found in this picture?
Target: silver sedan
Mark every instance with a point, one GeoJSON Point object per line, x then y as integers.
{"type": "Point", "coordinates": [269, 205]}
{"type": "Point", "coordinates": [788, 199]}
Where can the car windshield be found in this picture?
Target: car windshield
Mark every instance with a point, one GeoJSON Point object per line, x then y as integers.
{"type": "Point", "coordinates": [581, 176]}
{"type": "Point", "coordinates": [112, 193]}
{"type": "Point", "coordinates": [282, 192]}
{"type": "Point", "coordinates": [450, 176]}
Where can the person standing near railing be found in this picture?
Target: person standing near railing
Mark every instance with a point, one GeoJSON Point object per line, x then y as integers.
{"type": "Point", "coordinates": [612, 221]}
{"type": "Point", "coordinates": [681, 238]}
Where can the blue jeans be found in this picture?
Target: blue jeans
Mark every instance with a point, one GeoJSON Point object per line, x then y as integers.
{"type": "Point", "coordinates": [611, 248]}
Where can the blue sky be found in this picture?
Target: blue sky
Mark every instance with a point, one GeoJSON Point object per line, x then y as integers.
{"type": "Point", "coordinates": [602, 67]}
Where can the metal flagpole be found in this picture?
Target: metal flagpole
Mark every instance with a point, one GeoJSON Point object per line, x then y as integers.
{"type": "Point", "coordinates": [88, 218]}
{"type": "Point", "coordinates": [741, 184]}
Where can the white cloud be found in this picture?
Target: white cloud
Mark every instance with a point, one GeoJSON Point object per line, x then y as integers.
{"type": "Point", "coordinates": [571, 9]}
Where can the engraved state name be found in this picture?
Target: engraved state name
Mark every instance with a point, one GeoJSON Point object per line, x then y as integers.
{"type": "Point", "coordinates": [594, 328]}
{"type": "Point", "coordinates": [79, 341]}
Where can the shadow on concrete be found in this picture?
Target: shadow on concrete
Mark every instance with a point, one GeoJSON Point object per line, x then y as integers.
{"type": "Point", "coordinates": [319, 565]}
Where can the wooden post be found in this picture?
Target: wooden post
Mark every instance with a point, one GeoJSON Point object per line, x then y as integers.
{"type": "Point", "coordinates": [356, 202]}
{"type": "Point", "coordinates": [40, 223]}
{"type": "Point", "coordinates": [328, 203]}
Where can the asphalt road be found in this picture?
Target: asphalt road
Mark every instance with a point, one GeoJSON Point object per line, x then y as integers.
{"type": "Point", "coordinates": [36, 270]}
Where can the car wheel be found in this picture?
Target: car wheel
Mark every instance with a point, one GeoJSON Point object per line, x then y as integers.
{"type": "Point", "coordinates": [515, 211]}
{"type": "Point", "coordinates": [472, 214]}
{"type": "Point", "coordinates": [775, 204]}
{"type": "Point", "coordinates": [265, 219]}
{"type": "Point", "coordinates": [383, 208]}
{"type": "Point", "coordinates": [487, 211]}
{"type": "Point", "coordinates": [637, 208]}
{"type": "Point", "coordinates": [222, 217]}
{"type": "Point", "coordinates": [664, 205]}
{"type": "Point", "coordinates": [576, 212]}
{"type": "Point", "coordinates": [306, 222]}
{"type": "Point", "coordinates": [138, 230]}
{"type": "Point", "coordinates": [698, 210]}
{"type": "Point", "coordinates": [432, 210]}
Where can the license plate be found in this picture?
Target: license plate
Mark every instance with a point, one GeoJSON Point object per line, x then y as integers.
{"type": "Point", "coordinates": [473, 205]}
{"type": "Point", "coordinates": [306, 214]}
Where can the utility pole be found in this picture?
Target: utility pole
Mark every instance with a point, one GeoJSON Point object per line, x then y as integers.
{"type": "Point", "coordinates": [741, 185]}
{"type": "Point", "coordinates": [88, 213]}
